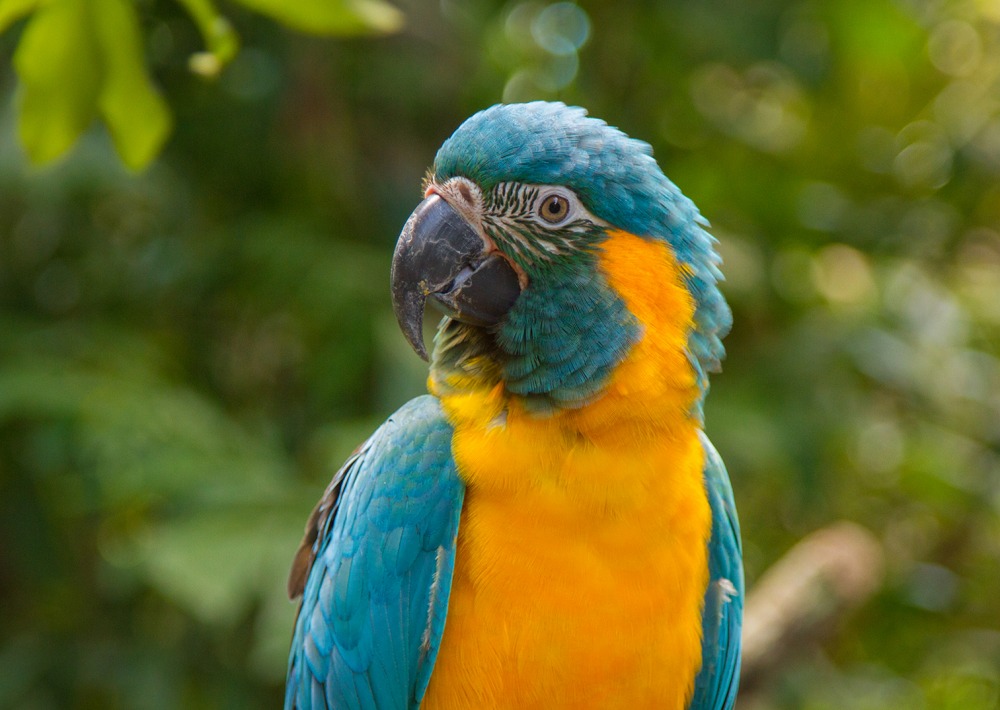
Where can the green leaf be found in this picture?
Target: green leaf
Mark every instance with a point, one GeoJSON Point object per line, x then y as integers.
{"type": "Point", "coordinates": [59, 66]}
{"type": "Point", "coordinates": [331, 17]}
{"type": "Point", "coordinates": [220, 39]}
{"type": "Point", "coordinates": [137, 116]}
{"type": "Point", "coordinates": [13, 10]}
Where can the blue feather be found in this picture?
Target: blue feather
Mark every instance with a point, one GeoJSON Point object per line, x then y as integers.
{"type": "Point", "coordinates": [378, 586]}
{"type": "Point", "coordinates": [565, 359]}
{"type": "Point", "coordinates": [722, 618]}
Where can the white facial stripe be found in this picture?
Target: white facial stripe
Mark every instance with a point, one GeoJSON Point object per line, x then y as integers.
{"type": "Point", "coordinates": [510, 216]}
{"type": "Point", "coordinates": [511, 201]}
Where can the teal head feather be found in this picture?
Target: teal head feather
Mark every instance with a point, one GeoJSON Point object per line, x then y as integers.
{"type": "Point", "coordinates": [564, 358]}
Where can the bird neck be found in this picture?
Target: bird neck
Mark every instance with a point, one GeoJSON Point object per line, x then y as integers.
{"type": "Point", "coordinates": [647, 383]}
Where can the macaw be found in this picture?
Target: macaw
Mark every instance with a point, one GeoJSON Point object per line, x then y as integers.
{"type": "Point", "coordinates": [549, 527]}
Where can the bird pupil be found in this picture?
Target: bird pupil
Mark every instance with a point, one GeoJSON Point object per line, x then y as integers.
{"type": "Point", "coordinates": [554, 209]}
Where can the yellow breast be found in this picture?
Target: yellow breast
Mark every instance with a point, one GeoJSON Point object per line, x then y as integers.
{"type": "Point", "coordinates": [581, 562]}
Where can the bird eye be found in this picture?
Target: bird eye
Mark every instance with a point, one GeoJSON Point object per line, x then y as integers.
{"type": "Point", "coordinates": [554, 209]}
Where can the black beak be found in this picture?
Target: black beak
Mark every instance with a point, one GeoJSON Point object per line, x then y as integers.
{"type": "Point", "coordinates": [439, 255]}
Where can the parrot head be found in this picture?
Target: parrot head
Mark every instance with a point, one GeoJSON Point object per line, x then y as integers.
{"type": "Point", "coordinates": [517, 241]}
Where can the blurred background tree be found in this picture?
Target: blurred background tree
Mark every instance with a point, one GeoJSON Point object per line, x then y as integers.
{"type": "Point", "coordinates": [187, 354]}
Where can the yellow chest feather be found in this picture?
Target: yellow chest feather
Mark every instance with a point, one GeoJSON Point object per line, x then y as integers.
{"type": "Point", "coordinates": [557, 603]}
{"type": "Point", "coordinates": [582, 562]}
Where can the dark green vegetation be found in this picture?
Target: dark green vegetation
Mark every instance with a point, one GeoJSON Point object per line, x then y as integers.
{"type": "Point", "coordinates": [186, 355]}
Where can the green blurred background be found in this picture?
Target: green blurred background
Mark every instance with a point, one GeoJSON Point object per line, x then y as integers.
{"type": "Point", "coordinates": [188, 353]}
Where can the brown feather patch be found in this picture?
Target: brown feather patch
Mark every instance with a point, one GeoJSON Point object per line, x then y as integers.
{"type": "Point", "coordinates": [317, 526]}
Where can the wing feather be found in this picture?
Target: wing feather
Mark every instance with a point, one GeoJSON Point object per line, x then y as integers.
{"type": "Point", "coordinates": [374, 570]}
{"type": "Point", "coordinates": [722, 619]}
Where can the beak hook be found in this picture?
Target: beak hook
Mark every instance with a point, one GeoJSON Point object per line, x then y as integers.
{"type": "Point", "coordinates": [440, 256]}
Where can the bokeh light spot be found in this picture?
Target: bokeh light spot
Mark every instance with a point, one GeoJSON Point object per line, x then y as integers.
{"type": "Point", "coordinates": [842, 275]}
{"type": "Point", "coordinates": [955, 48]}
{"type": "Point", "coordinates": [561, 28]}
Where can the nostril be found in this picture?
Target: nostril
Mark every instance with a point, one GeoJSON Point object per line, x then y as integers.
{"type": "Point", "coordinates": [465, 192]}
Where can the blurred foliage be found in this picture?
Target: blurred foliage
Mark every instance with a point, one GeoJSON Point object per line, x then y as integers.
{"type": "Point", "coordinates": [187, 355]}
{"type": "Point", "coordinates": [81, 58]}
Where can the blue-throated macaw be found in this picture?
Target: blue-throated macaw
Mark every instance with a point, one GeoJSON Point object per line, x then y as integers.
{"type": "Point", "coordinates": [550, 527]}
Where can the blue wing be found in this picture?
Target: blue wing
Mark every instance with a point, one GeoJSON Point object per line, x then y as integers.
{"type": "Point", "coordinates": [374, 570]}
{"type": "Point", "coordinates": [722, 620]}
